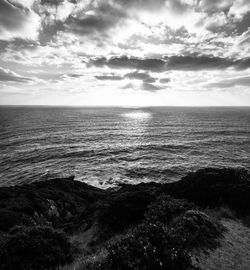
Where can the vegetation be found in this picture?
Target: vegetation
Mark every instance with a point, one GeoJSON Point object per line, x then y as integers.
{"type": "Point", "coordinates": [212, 187]}
{"type": "Point", "coordinates": [145, 226]}
{"type": "Point", "coordinates": [25, 248]}
{"type": "Point", "coordinates": [165, 208]}
{"type": "Point", "coordinates": [58, 202]}
{"type": "Point", "coordinates": [196, 229]}
{"type": "Point", "coordinates": [148, 247]}
{"type": "Point", "coordinates": [169, 231]}
{"type": "Point", "coordinates": [124, 210]}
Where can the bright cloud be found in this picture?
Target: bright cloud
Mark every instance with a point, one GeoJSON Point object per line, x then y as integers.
{"type": "Point", "coordinates": [125, 52]}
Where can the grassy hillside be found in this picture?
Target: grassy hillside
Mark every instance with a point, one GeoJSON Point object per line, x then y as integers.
{"type": "Point", "coordinates": [145, 226]}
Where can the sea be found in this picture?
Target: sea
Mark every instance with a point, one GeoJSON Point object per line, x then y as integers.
{"type": "Point", "coordinates": [106, 146]}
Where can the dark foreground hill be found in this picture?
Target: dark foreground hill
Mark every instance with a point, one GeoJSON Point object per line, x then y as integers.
{"type": "Point", "coordinates": [144, 226]}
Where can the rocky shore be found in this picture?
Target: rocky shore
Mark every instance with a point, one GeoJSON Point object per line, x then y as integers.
{"type": "Point", "coordinates": [105, 222]}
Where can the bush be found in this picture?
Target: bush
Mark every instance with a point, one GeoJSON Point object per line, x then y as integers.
{"type": "Point", "coordinates": [165, 238]}
{"type": "Point", "coordinates": [213, 187]}
{"type": "Point", "coordinates": [125, 210]}
{"type": "Point", "coordinates": [9, 219]}
{"type": "Point", "coordinates": [195, 229]}
{"type": "Point", "coordinates": [147, 248]}
{"type": "Point", "coordinates": [26, 248]}
{"type": "Point", "coordinates": [165, 208]}
{"type": "Point", "coordinates": [246, 221]}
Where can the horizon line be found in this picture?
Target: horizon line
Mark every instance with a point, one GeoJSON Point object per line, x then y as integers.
{"type": "Point", "coordinates": [127, 106]}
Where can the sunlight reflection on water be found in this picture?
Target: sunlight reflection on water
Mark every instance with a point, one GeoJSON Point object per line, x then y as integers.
{"type": "Point", "coordinates": [138, 115]}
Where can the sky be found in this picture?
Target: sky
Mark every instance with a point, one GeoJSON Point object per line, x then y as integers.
{"type": "Point", "coordinates": [125, 52]}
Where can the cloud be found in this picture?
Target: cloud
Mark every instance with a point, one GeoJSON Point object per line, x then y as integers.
{"type": "Point", "coordinates": [74, 75]}
{"type": "Point", "coordinates": [130, 62]}
{"type": "Point", "coordinates": [185, 63]}
{"type": "Point", "coordinates": [164, 80]}
{"type": "Point", "coordinates": [150, 87]}
{"type": "Point", "coordinates": [49, 31]}
{"type": "Point", "coordinates": [239, 8]}
{"type": "Point", "coordinates": [17, 20]}
{"type": "Point", "coordinates": [215, 6]}
{"type": "Point", "coordinates": [244, 81]}
{"type": "Point", "coordinates": [144, 86]}
{"type": "Point", "coordinates": [192, 62]}
{"type": "Point", "coordinates": [146, 45]}
{"type": "Point", "coordinates": [18, 44]}
{"type": "Point", "coordinates": [109, 77]}
{"type": "Point", "coordinates": [243, 24]}
{"type": "Point", "coordinates": [88, 23]}
{"type": "Point", "coordinates": [176, 6]}
{"type": "Point", "coordinates": [228, 25]}
{"type": "Point", "coordinates": [52, 2]}
{"type": "Point", "coordinates": [242, 64]}
{"type": "Point", "coordinates": [145, 4]}
{"type": "Point", "coordinates": [7, 75]}
{"type": "Point", "coordinates": [136, 75]}
{"type": "Point", "coordinates": [94, 19]}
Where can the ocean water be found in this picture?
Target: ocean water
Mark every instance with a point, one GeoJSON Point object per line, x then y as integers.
{"type": "Point", "coordinates": [105, 146]}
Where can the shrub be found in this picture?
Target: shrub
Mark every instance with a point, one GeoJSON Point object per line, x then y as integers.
{"type": "Point", "coordinates": [147, 248]}
{"type": "Point", "coordinates": [195, 229]}
{"type": "Point", "coordinates": [165, 208]}
{"type": "Point", "coordinates": [26, 248]}
{"type": "Point", "coordinates": [125, 210]}
{"type": "Point", "coordinates": [10, 218]}
{"type": "Point", "coordinates": [165, 238]}
{"type": "Point", "coordinates": [246, 221]}
{"type": "Point", "coordinates": [213, 187]}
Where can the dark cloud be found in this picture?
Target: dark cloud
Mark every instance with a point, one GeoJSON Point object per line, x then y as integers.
{"type": "Point", "coordinates": [214, 6]}
{"type": "Point", "coordinates": [99, 16]}
{"type": "Point", "coordinates": [73, 75]}
{"type": "Point", "coordinates": [150, 87]}
{"type": "Point", "coordinates": [12, 16]}
{"type": "Point", "coordinates": [52, 2]}
{"type": "Point", "coordinates": [109, 77]}
{"type": "Point", "coordinates": [192, 62]}
{"type": "Point", "coordinates": [9, 76]}
{"type": "Point", "coordinates": [17, 44]}
{"type": "Point", "coordinates": [164, 80]}
{"type": "Point", "coordinates": [232, 25]}
{"type": "Point", "coordinates": [89, 23]}
{"type": "Point", "coordinates": [48, 31]}
{"type": "Point", "coordinates": [144, 4]}
{"type": "Point", "coordinates": [136, 75]}
{"type": "Point", "coordinates": [177, 6]}
{"type": "Point", "coordinates": [185, 63]}
{"type": "Point", "coordinates": [206, 63]}
{"type": "Point", "coordinates": [244, 81]}
{"type": "Point", "coordinates": [56, 2]}
{"type": "Point", "coordinates": [105, 16]}
{"type": "Point", "coordinates": [243, 24]}
{"type": "Point", "coordinates": [227, 28]}
{"type": "Point", "coordinates": [149, 80]}
{"type": "Point", "coordinates": [130, 62]}
{"type": "Point", "coordinates": [242, 63]}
